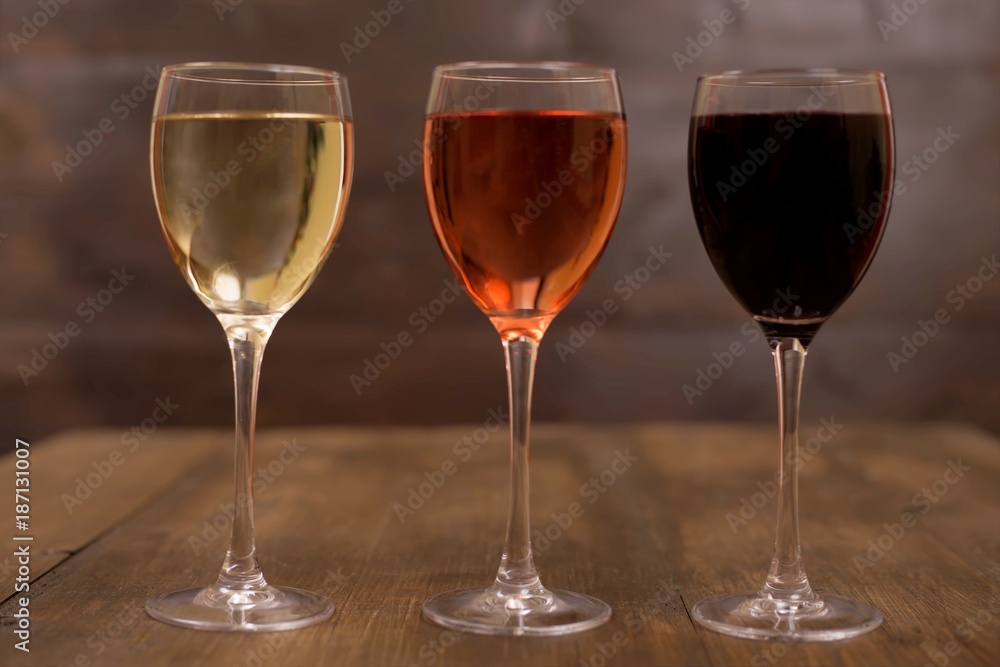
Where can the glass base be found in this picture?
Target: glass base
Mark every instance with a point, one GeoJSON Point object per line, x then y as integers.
{"type": "Point", "coordinates": [490, 612]}
{"type": "Point", "coordinates": [753, 616]}
{"type": "Point", "coordinates": [268, 610]}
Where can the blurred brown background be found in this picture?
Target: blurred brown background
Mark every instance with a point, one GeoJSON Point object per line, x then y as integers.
{"type": "Point", "coordinates": [64, 70]}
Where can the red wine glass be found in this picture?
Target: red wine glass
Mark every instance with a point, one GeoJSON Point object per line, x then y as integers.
{"type": "Point", "coordinates": [791, 176]}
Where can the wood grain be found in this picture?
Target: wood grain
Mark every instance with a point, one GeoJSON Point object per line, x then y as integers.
{"type": "Point", "coordinates": [656, 540]}
{"type": "Point", "coordinates": [85, 482]}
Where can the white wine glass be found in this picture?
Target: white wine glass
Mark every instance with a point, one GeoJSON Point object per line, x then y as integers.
{"type": "Point", "coordinates": [251, 172]}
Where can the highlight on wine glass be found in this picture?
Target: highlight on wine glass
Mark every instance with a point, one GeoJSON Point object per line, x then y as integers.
{"type": "Point", "coordinates": [524, 172]}
{"type": "Point", "coordinates": [251, 173]}
{"type": "Point", "coordinates": [780, 164]}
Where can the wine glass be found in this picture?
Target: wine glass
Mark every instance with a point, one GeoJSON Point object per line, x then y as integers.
{"type": "Point", "coordinates": [791, 177]}
{"type": "Point", "coordinates": [251, 172]}
{"type": "Point", "coordinates": [524, 171]}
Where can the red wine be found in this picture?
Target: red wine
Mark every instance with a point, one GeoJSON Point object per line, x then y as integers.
{"type": "Point", "coordinates": [523, 203]}
{"type": "Point", "coordinates": [791, 212]}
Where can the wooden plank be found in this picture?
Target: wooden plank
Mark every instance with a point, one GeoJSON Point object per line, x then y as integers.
{"type": "Point", "coordinates": [843, 507]}
{"type": "Point", "coordinates": [85, 482]}
{"type": "Point", "coordinates": [653, 543]}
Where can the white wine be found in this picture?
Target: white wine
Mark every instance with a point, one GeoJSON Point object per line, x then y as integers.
{"type": "Point", "coordinates": [251, 203]}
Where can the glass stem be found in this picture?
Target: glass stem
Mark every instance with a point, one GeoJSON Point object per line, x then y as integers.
{"type": "Point", "coordinates": [240, 571]}
{"type": "Point", "coordinates": [517, 574]}
{"type": "Point", "coordinates": [787, 578]}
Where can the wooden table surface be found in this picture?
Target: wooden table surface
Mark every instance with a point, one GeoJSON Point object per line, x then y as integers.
{"type": "Point", "coordinates": [112, 529]}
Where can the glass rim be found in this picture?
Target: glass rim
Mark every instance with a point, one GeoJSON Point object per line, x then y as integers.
{"type": "Point", "coordinates": [827, 76]}
{"type": "Point", "coordinates": [467, 70]}
{"type": "Point", "coordinates": [310, 75]}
